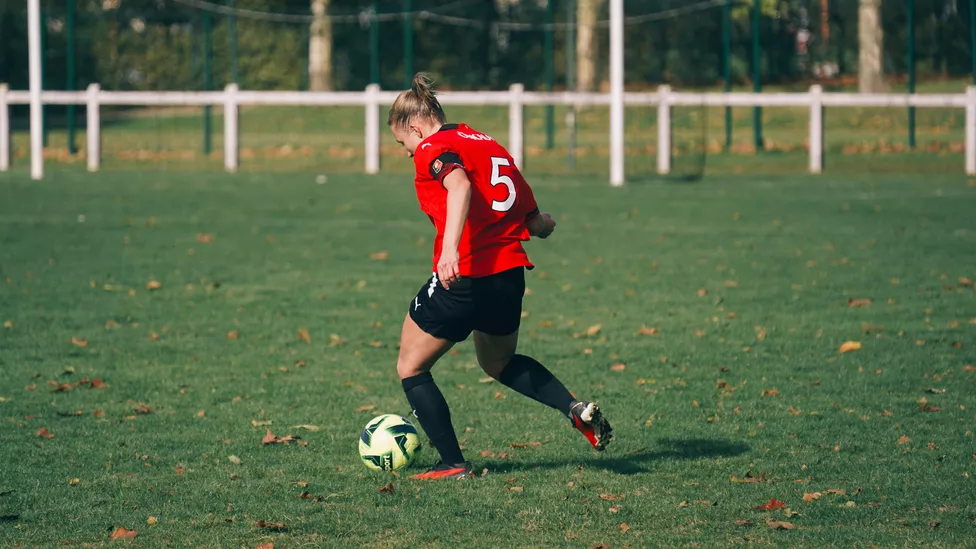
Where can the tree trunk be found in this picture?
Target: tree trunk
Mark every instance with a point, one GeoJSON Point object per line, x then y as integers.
{"type": "Point", "coordinates": [871, 41]}
{"type": "Point", "coordinates": [320, 48]}
{"type": "Point", "coordinates": [586, 14]}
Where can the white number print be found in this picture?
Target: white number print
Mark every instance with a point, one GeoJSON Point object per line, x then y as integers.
{"type": "Point", "coordinates": [500, 179]}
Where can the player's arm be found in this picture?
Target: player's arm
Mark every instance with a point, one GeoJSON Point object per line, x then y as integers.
{"type": "Point", "coordinates": [449, 170]}
{"type": "Point", "coordinates": [540, 225]}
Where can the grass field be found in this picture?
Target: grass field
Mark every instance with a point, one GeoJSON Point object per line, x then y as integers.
{"type": "Point", "coordinates": [186, 296]}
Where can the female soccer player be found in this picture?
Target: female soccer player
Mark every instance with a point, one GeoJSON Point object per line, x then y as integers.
{"type": "Point", "coordinates": [482, 209]}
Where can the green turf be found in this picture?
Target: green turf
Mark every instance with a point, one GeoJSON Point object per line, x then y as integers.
{"type": "Point", "coordinates": [746, 279]}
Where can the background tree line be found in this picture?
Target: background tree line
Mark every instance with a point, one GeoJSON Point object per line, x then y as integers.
{"type": "Point", "coordinates": [159, 44]}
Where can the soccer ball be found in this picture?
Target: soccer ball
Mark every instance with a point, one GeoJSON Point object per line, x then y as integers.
{"type": "Point", "coordinates": [388, 442]}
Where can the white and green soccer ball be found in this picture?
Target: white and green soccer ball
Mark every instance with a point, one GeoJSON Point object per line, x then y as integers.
{"type": "Point", "coordinates": [388, 442]}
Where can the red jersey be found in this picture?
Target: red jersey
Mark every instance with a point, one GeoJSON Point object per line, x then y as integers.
{"type": "Point", "coordinates": [501, 200]}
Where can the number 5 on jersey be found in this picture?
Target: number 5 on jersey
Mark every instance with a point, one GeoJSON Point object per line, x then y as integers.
{"type": "Point", "coordinates": [497, 178]}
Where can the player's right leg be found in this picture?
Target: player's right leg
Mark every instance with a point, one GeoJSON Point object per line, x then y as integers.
{"type": "Point", "coordinates": [495, 340]}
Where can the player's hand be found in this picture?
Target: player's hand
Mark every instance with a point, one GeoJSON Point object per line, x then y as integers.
{"type": "Point", "coordinates": [548, 225]}
{"type": "Point", "coordinates": [448, 270]}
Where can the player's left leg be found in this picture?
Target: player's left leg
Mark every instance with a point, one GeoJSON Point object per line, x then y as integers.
{"type": "Point", "coordinates": [419, 351]}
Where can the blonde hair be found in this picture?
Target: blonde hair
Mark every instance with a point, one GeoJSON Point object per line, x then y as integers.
{"type": "Point", "coordinates": [418, 101]}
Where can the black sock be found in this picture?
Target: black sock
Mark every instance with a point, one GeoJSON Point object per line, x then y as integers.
{"type": "Point", "coordinates": [525, 375]}
{"type": "Point", "coordinates": [431, 410]}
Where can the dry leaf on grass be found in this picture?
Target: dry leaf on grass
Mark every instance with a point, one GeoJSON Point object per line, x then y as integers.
{"type": "Point", "coordinates": [849, 346]}
{"type": "Point", "coordinates": [619, 367]}
{"type": "Point", "coordinates": [122, 533]}
{"type": "Point", "coordinates": [779, 525]}
{"type": "Point", "coordinates": [808, 497]}
{"type": "Point", "coordinates": [43, 432]}
{"type": "Point", "coordinates": [382, 255]}
{"type": "Point", "coordinates": [388, 488]}
{"type": "Point", "coordinates": [270, 438]}
{"type": "Point", "coordinates": [858, 302]}
{"type": "Point", "coordinates": [153, 285]}
{"type": "Point", "coordinates": [273, 526]}
{"type": "Point", "coordinates": [80, 342]}
{"type": "Point", "coordinates": [771, 505]}
{"type": "Point", "coordinates": [303, 335]}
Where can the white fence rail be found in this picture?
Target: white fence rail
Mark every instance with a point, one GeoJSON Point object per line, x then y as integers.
{"type": "Point", "coordinates": [516, 98]}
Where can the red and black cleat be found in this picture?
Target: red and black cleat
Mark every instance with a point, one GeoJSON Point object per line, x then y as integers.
{"type": "Point", "coordinates": [442, 470]}
{"type": "Point", "coordinates": [587, 419]}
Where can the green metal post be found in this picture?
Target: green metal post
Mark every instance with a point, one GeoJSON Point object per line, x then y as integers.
{"type": "Point", "coordinates": [232, 43]}
{"type": "Point", "coordinates": [571, 80]}
{"type": "Point", "coordinates": [548, 53]}
{"type": "Point", "coordinates": [407, 44]}
{"type": "Point", "coordinates": [972, 36]}
{"type": "Point", "coordinates": [756, 74]}
{"type": "Point", "coordinates": [69, 77]}
{"type": "Point", "coordinates": [727, 67]}
{"type": "Point", "coordinates": [207, 82]}
{"type": "Point", "coordinates": [44, 109]}
{"type": "Point", "coordinates": [911, 71]}
{"type": "Point", "coordinates": [374, 45]}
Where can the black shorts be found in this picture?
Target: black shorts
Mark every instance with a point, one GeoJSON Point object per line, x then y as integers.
{"type": "Point", "coordinates": [491, 304]}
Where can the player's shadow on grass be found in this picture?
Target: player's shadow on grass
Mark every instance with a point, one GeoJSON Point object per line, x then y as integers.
{"type": "Point", "coordinates": [634, 461]}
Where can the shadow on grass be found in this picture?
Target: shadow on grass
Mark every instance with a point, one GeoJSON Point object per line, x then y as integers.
{"type": "Point", "coordinates": [633, 462]}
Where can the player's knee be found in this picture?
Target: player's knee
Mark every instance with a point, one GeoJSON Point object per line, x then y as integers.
{"type": "Point", "coordinates": [494, 366]}
{"type": "Point", "coordinates": [408, 368]}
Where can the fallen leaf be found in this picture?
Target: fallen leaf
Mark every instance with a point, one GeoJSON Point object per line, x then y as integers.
{"type": "Point", "coordinates": [43, 432]}
{"type": "Point", "coordinates": [312, 428]}
{"type": "Point", "coordinates": [205, 238]}
{"type": "Point", "coordinates": [614, 509]}
{"type": "Point", "coordinates": [388, 488]}
{"type": "Point", "coordinates": [779, 525]}
{"type": "Point", "coordinates": [335, 340]}
{"type": "Point", "coordinates": [270, 438]}
{"type": "Point", "coordinates": [74, 482]}
{"type": "Point", "coordinates": [233, 334]}
{"type": "Point", "coordinates": [648, 331]}
{"type": "Point", "coordinates": [142, 409]}
{"type": "Point", "coordinates": [151, 521]}
{"type": "Point", "coordinates": [303, 335]}
{"type": "Point", "coordinates": [849, 346]}
{"type": "Point", "coordinates": [234, 459]}
{"type": "Point", "coordinates": [904, 439]}
{"type": "Point", "coordinates": [63, 388]}
{"type": "Point", "coordinates": [743, 522]}
{"type": "Point", "coordinates": [608, 497]}
{"type": "Point", "coordinates": [261, 423]}
{"type": "Point", "coordinates": [808, 497]}
{"type": "Point", "coordinates": [275, 527]}
{"type": "Point", "coordinates": [516, 489]}
{"type": "Point", "coordinates": [380, 256]}
{"type": "Point", "coordinates": [79, 342]}
{"type": "Point", "coordinates": [96, 383]}
{"type": "Point", "coordinates": [967, 282]}
{"type": "Point", "coordinates": [8, 324]}
{"type": "Point", "coordinates": [771, 505]}
{"type": "Point", "coordinates": [702, 292]}
{"type": "Point", "coordinates": [486, 380]}
{"type": "Point", "coordinates": [525, 444]}
{"type": "Point", "coordinates": [153, 285]}
{"type": "Point", "coordinates": [122, 533]}
{"type": "Point", "coordinates": [619, 367]}
{"type": "Point", "coordinates": [269, 545]}
{"type": "Point", "coordinates": [499, 395]}
{"type": "Point", "coordinates": [839, 492]}
{"type": "Point", "coordinates": [969, 368]}
{"type": "Point", "coordinates": [858, 302]}
{"type": "Point", "coordinates": [365, 408]}
{"type": "Point", "coordinates": [748, 478]}
{"type": "Point", "coordinates": [793, 411]}
{"type": "Point", "coordinates": [624, 527]}
{"type": "Point", "coordinates": [933, 525]}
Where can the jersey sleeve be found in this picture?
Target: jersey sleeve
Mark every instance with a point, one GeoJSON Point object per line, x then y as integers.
{"type": "Point", "coordinates": [437, 160]}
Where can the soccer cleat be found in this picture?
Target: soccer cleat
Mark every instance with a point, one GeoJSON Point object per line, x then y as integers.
{"type": "Point", "coordinates": [443, 470]}
{"type": "Point", "coordinates": [587, 419]}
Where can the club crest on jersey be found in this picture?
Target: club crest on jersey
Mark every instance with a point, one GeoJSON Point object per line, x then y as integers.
{"type": "Point", "coordinates": [437, 166]}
